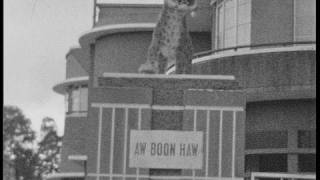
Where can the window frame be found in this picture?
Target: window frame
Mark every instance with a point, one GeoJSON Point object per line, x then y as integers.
{"type": "Point", "coordinates": [70, 90]}
{"type": "Point", "coordinates": [295, 21]}
{"type": "Point", "coordinates": [219, 5]}
{"type": "Point", "coordinates": [236, 4]}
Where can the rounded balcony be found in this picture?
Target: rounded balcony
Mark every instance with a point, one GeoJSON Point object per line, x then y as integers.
{"type": "Point", "coordinates": [266, 71]}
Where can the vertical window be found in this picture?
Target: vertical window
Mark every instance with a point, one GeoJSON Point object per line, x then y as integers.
{"type": "Point", "coordinates": [84, 98]}
{"type": "Point", "coordinates": [244, 22]}
{"type": "Point", "coordinates": [66, 101]}
{"type": "Point", "coordinates": [75, 99]}
{"type": "Point", "coordinates": [233, 20]}
{"type": "Point", "coordinates": [220, 23]}
{"type": "Point", "coordinates": [230, 23]}
{"type": "Point", "coordinates": [305, 20]}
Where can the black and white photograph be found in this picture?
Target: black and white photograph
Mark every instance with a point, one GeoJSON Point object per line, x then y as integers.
{"type": "Point", "coordinates": [159, 90]}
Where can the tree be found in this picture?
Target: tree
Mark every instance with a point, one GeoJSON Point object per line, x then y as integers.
{"type": "Point", "coordinates": [21, 158]}
{"type": "Point", "coordinates": [18, 139]}
{"type": "Point", "coordinates": [49, 146]}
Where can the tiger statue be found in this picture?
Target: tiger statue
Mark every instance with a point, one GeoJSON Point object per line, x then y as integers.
{"type": "Point", "coordinates": [171, 42]}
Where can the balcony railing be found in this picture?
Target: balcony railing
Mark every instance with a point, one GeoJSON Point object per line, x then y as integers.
{"type": "Point", "coordinates": [235, 48]}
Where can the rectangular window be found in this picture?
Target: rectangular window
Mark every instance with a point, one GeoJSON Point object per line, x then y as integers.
{"type": "Point", "coordinates": [273, 163]}
{"type": "Point", "coordinates": [244, 34]}
{"type": "Point", "coordinates": [307, 162]}
{"type": "Point", "coordinates": [84, 98]}
{"type": "Point", "coordinates": [230, 24]}
{"type": "Point", "coordinates": [266, 139]}
{"type": "Point", "coordinates": [75, 98]}
{"type": "Point", "coordinates": [233, 20]}
{"type": "Point", "coordinates": [220, 23]}
{"type": "Point", "coordinates": [305, 20]}
{"type": "Point", "coordinates": [244, 22]}
{"type": "Point", "coordinates": [306, 139]}
{"type": "Point", "coordinates": [66, 102]}
{"type": "Point", "coordinates": [266, 163]}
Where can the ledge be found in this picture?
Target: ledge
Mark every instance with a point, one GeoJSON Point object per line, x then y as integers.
{"type": "Point", "coordinates": [248, 52]}
{"type": "Point", "coordinates": [281, 92]}
{"type": "Point", "coordinates": [64, 175]}
{"type": "Point", "coordinates": [173, 76]}
{"type": "Point", "coordinates": [162, 81]}
{"type": "Point", "coordinates": [125, 5]}
{"type": "Point", "coordinates": [89, 37]}
{"type": "Point", "coordinates": [77, 114]}
{"type": "Point", "coordinates": [280, 151]}
{"type": "Point", "coordinates": [276, 175]}
{"type": "Point", "coordinates": [61, 87]}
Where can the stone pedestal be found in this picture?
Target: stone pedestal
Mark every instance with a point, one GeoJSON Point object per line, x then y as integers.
{"type": "Point", "coordinates": [212, 104]}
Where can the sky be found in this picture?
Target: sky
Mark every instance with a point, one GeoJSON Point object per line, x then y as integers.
{"type": "Point", "coordinates": [37, 36]}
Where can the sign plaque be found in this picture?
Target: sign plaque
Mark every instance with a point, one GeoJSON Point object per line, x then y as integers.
{"type": "Point", "coordinates": [164, 149]}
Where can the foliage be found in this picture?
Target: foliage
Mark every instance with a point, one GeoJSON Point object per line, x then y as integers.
{"type": "Point", "coordinates": [49, 146]}
{"type": "Point", "coordinates": [20, 152]}
{"type": "Point", "coordinates": [18, 138]}
{"type": "Point", "coordinates": [16, 129]}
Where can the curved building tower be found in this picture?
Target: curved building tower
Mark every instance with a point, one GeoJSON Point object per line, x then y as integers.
{"type": "Point", "coordinates": [267, 45]}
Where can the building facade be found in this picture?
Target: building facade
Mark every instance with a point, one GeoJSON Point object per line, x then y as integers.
{"type": "Point", "coordinates": [267, 45]}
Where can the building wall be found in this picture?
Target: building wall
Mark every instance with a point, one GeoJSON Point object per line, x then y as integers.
{"type": "Point", "coordinates": [73, 143]}
{"type": "Point", "coordinates": [272, 21]}
{"type": "Point", "coordinates": [125, 52]}
{"type": "Point", "coordinates": [274, 72]}
{"type": "Point", "coordinates": [74, 69]}
{"type": "Point", "coordinates": [273, 124]}
{"type": "Point", "coordinates": [122, 52]}
{"type": "Point", "coordinates": [273, 136]}
{"type": "Point", "coordinates": [281, 115]}
{"type": "Point", "coordinates": [121, 14]}
{"type": "Point", "coordinates": [113, 95]}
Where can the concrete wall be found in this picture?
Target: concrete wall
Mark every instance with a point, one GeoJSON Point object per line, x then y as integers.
{"type": "Point", "coordinates": [73, 68]}
{"type": "Point", "coordinates": [113, 95]}
{"type": "Point", "coordinates": [122, 52]}
{"type": "Point", "coordinates": [272, 134]}
{"type": "Point", "coordinates": [73, 143]}
{"type": "Point", "coordinates": [223, 99]}
{"type": "Point", "coordinates": [268, 73]}
{"type": "Point", "coordinates": [281, 115]}
{"type": "Point", "coordinates": [271, 21]}
{"type": "Point", "coordinates": [276, 122]}
{"type": "Point", "coordinates": [125, 52]}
